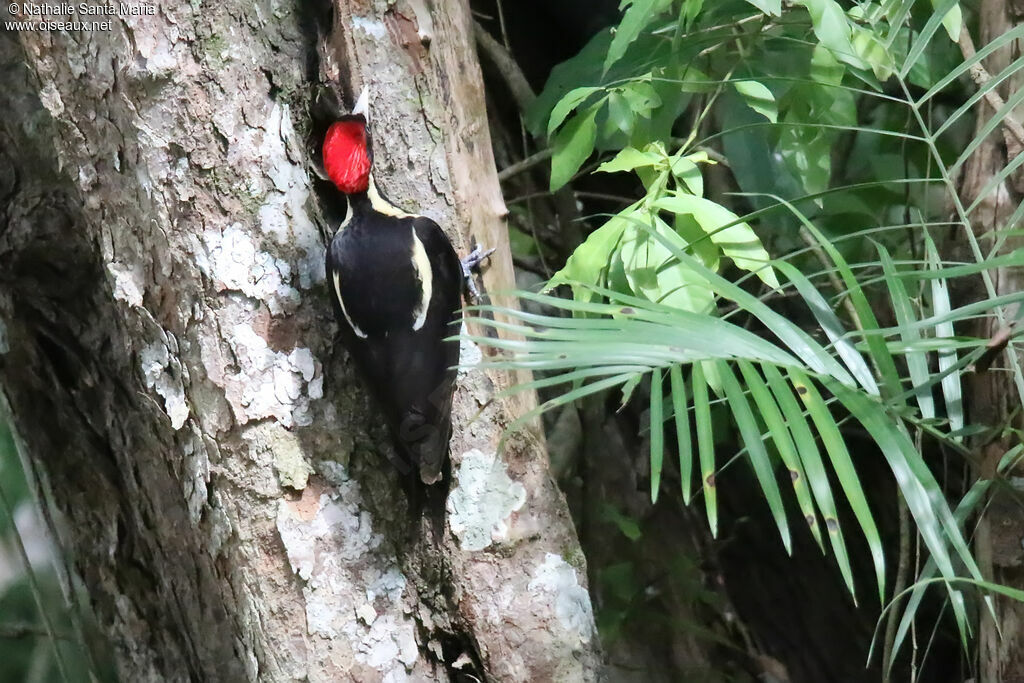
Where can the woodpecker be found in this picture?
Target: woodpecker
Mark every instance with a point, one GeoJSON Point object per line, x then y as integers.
{"type": "Point", "coordinates": [397, 283]}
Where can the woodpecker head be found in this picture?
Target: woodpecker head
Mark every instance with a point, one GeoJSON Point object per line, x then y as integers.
{"type": "Point", "coordinates": [346, 153]}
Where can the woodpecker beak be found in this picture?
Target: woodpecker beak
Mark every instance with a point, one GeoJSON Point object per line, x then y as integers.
{"type": "Point", "coordinates": [363, 104]}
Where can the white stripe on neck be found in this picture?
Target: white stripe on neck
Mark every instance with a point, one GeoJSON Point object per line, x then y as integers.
{"type": "Point", "coordinates": [381, 205]}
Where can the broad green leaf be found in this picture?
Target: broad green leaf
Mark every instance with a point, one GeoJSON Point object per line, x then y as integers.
{"type": "Point", "coordinates": [687, 173]}
{"type": "Point", "coordinates": [652, 271]}
{"type": "Point", "coordinates": [736, 238]}
{"type": "Point", "coordinates": [953, 21]}
{"type": "Point", "coordinates": [567, 105]}
{"type": "Point", "coordinates": [869, 47]}
{"type": "Point", "coordinates": [759, 98]}
{"type": "Point", "coordinates": [629, 159]}
{"type": "Point", "coordinates": [642, 96]}
{"type": "Point", "coordinates": [825, 68]}
{"type": "Point", "coordinates": [700, 244]}
{"type": "Point", "coordinates": [588, 263]}
{"type": "Point", "coordinates": [639, 13]}
{"type": "Point", "coordinates": [620, 115]}
{"type": "Point", "coordinates": [833, 29]}
{"type": "Point", "coordinates": [572, 145]}
{"type": "Point", "coordinates": [626, 524]}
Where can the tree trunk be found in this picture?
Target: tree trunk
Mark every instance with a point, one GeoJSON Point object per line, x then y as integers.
{"type": "Point", "coordinates": [219, 477]}
{"type": "Point", "coordinates": [993, 397]}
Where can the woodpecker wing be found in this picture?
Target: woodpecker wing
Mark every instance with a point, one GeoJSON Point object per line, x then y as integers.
{"type": "Point", "coordinates": [396, 282]}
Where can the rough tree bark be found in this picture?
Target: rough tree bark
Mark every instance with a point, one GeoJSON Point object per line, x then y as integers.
{"type": "Point", "coordinates": [166, 354]}
{"type": "Point", "coordinates": [992, 398]}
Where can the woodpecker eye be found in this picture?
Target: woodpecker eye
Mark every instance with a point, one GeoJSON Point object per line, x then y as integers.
{"type": "Point", "coordinates": [346, 158]}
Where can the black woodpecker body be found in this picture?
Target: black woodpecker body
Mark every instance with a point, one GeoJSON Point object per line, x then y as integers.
{"type": "Point", "coordinates": [396, 283]}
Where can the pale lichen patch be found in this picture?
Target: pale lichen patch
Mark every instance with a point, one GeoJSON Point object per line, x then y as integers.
{"type": "Point", "coordinates": [234, 262]}
{"type": "Point", "coordinates": [128, 283]}
{"type": "Point", "coordinates": [162, 373]}
{"type": "Point", "coordinates": [556, 579]}
{"type": "Point", "coordinates": [332, 546]}
{"type": "Point", "coordinates": [4, 344]}
{"type": "Point", "coordinates": [470, 354]}
{"type": "Point", "coordinates": [197, 475]}
{"type": "Point", "coordinates": [271, 383]}
{"type": "Point", "coordinates": [283, 213]}
{"type": "Point", "coordinates": [482, 501]}
{"type": "Point", "coordinates": [370, 27]}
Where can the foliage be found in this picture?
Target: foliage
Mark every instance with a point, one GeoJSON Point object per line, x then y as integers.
{"type": "Point", "coordinates": [825, 117]}
{"type": "Point", "coordinates": [39, 639]}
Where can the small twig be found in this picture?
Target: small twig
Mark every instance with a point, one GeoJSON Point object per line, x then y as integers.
{"type": "Point", "coordinates": [510, 72]}
{"type": "Point", "coordinates": [524, 164]}
{"type": "Point", "coordinates": [606, 197]}
{"type": "Point", "coordinates": [901, 582]}
{"type": "Point", "coordinates": [27, 630]}
{"type": "Point", "coordinates": [532, 265]}
{"type": "Point", "coordinates": [981, 77]}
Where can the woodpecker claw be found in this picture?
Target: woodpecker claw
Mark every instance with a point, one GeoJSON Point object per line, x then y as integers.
{"type": "Point", "coordinates": [469, 264]}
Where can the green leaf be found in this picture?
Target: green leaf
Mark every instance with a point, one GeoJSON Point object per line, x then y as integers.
{"type": "Point", "coordinates": [833, 29]}
{"type": "Point", "coordinates": [759, 460]}
{"type": "Point", "coordinates": [770, 7]}
{"type": "Point", "coordinates": [835, 446]}
{"type": "Point", "coordinates": [572, 145]}
{"type": "Point", "coordinates": [567, 105]}
{"type": "Point", "coordinates": [759, 98]}
{"type": "Point", "coordinates": [620, 115]}
{"type": "Point", "coordinates": [639, 14]}
{"type": "Point", "coordinates": [687, 173]}
{"type": "Point", "coordinates": [870, 47]}
{"type": "Point", "coordinates": [778, 432]}
{"type": "Point", "coordinates": [735, 237]}
{"type": "Point", "coordinates": [588, 263]}
{"type": "Point", "coordinates": [657, 434]}
{"type": "Point", "coordinates": [653, 272]}
{"type": "Point", "coordinates": [953, 21]}
{"type": "Point", "coordinates": [951, 390]}
{"type": "Point", "coordinates": [705, 445]}
{"type": "Point", "coordinates": [831, 325]}
{"type": "Point", "coordinates": [680, 407]}
{"type": "Point", "coordinates": [641, 96]}
{"type": "Point", "coordinates": [942, 9]}
{"type": "Point", "coordinates": [627, 525]}
{"type": "Point", "coordinates": [630, 158]}
{"type": "Point", "coordinates": [921, 491]}
{"type": "Point", "coordinates": [917, 362]}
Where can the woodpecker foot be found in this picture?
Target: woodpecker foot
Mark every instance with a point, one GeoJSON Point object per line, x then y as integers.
{"type": "Point", "coordinates": [469, 264]}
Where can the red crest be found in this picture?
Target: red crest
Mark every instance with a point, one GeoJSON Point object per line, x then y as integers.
{"type": "Point", "coordinates": [346, 158]}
